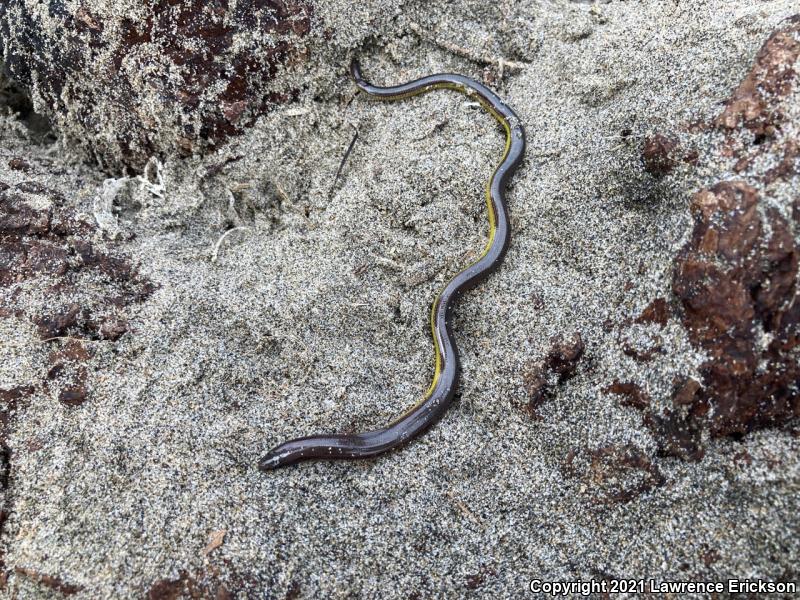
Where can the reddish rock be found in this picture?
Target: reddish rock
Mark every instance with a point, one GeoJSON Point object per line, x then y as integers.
{"type": "Point", "coordinates": [558, 365]}
{"type": "Point", "coordinates": [46, 259]}
{"type": "Point", "coordinates": [53, 243]}
{"type": "Point", "coordinates": [660, 155]}
{"type": "Point", "coordinates": [10, 396]}
{"type": "Point", "coordinates": [685, 392]}
{"type": "Point", "coordinates": [632, 394]}
{"type": "Point", "coordinates": [564, 355]}
{"type": "Point", "coordinates": [167, 589]}
{"type": "Point", "coordinates": [736, 280]}
{"type": "Point", "coordinates": [19, 164]}
{"type": "Point", "coordinates": [171, 76]}
{"type": "Point", "coordinates": [641, 355]}
{"type": "Point", "coordinates": [753, 105]}
{"type": "Point", "coordinates": [676, 435]}
{"type": "Point", "coordinates": [478, 579]}
{"type": "Point", "coordinates": [620, 473]}
{"type": "Point", "coordinates": [656, 312]}
{"type": "Point", "coordinates": [59, 323]}
{"type": "Point", "coordinates": [534, 381]}
{"type": "Point", "coordinates": [72, 351]}
{"type": "Point", "coordinates": [17, 217]}
{"type": "Point", "coordinates": [787, 167]}
{"type": "Point", "coordinates": [54, 583]}
{"type": "Point", "coordinates": [74, 395]}
{"type": "Point", "coordinates": [197, 585]}
{"type": "Point", "coordinates": [9, 399]}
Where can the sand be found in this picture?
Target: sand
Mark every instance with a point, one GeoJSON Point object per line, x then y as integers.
{"type": "Point", "coordinates": [312, 316]}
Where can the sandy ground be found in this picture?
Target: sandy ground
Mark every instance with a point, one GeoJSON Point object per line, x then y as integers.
{"type": "Point", "coordinates": [313, 316]}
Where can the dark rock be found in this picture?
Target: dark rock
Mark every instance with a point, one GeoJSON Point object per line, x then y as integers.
{"type": "Point", "coordinates": [294, 591]}
{"type": "Point", "coordinates": [676, 436]}
{"type": "Point", "coordinates": [19, 164]}
{"type": "Point", "coordinates": [659, 155]}
{"type": "Point", "coordinates": [112, 329]}
{"type": "Point", "coordinates": [641, 355]}
{"type": "Point", "coordinates": [76, 394]}
{"type": "Point", "coordinates": [620, 473]}
{"type": "Point", "coordinates": [477, 580]}
{"type": "Point", "coordinates": [10, 396]}
{"type": "Point", "coordinates": [753, 104]}
{"type": "Point", "coordinates": [46, 259]}
{"type": "Point", "coordinates": [167, 589]}
{"type": "Point", "coordinates": [201, 71]}
{"type": "Point", "coordinates": [39, 189]}
{"type": "Point", "coordinates": [564, 355]}
{"type": "Point", "coordinates": [72, 351]}
{"type": "Point", "coordinates": [59, 323]}
{"type": "Point", "coordinates": [53, 243]}
{"type": "Point", "coordinates": [735, 281]}
{"type": "Point", "coordinates": [9, 399]}
{"type": "Point", "coordinates": [534, 381]}
{"type": "Point", "coordinates": [685, 393]}
{"type": "Point", "coordinates": [55, 371]}
{"type": "Point", "coordinates": [656, 312]}
{"type": "Point", "coordinates": [539, 377]}
{"type": "Point", "coordinates": [18, 217]}
{"type": "Point", "coordinates": [54, 583]}
{"type": "Point", "coordinates": [632, 394]}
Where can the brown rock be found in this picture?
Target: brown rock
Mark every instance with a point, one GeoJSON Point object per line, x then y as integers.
{"type": "Point", "coordinates": [167, 589]}
{"type": "Point", "coordinates": [59, 323]}
{"type": "Point", "coordinates": [72, 351]}
{"type": "Point", "coordinates": [46, 259]}
{"type": "Point", "coordinates": [620, 473]}
{"type": "Point", "coordinates": [676, 436]}
{"type": "Point", "coordinates": [9, 399]}
{"type": "Point", "coordinates": [686, 392]}
{"type": "Point", "coordinates": [18, 218]}
{"type": "Point", "coordinates": [772, 76]}
{"type": "Point", "coordinates": [659, 155]}
{"type": "Point", "coordinates": [564, 355]}
{"type": "Point", "coordinates": [632, 394]}
{"type": "Point", "coordinates": [54, 583]}
{"type": "Point", "coordinates": [74, 395]}
{"type": "Point", "coordinates": [641, 355]}
{"type": "Point", "coordinates": [10, 396]}
{"type": "Point", "coordinates": [534, 381]}
{"type": "Point", "coordinates": [19, 164]}
{"type": "Point", "coordinates": [52, 243]}
{"type": "Point", "coordinates": [201, 71]}
{"type": "Point", "coordinates": [734, 280]}
{"type": "Point", "coordinates": [558, 366]}
{"type": "Point", "coordinates": [787, 165]}
{"type": "Point", "coordinates": [656, 312]}
{"type": "Point", "coordinates": [475, 581]}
